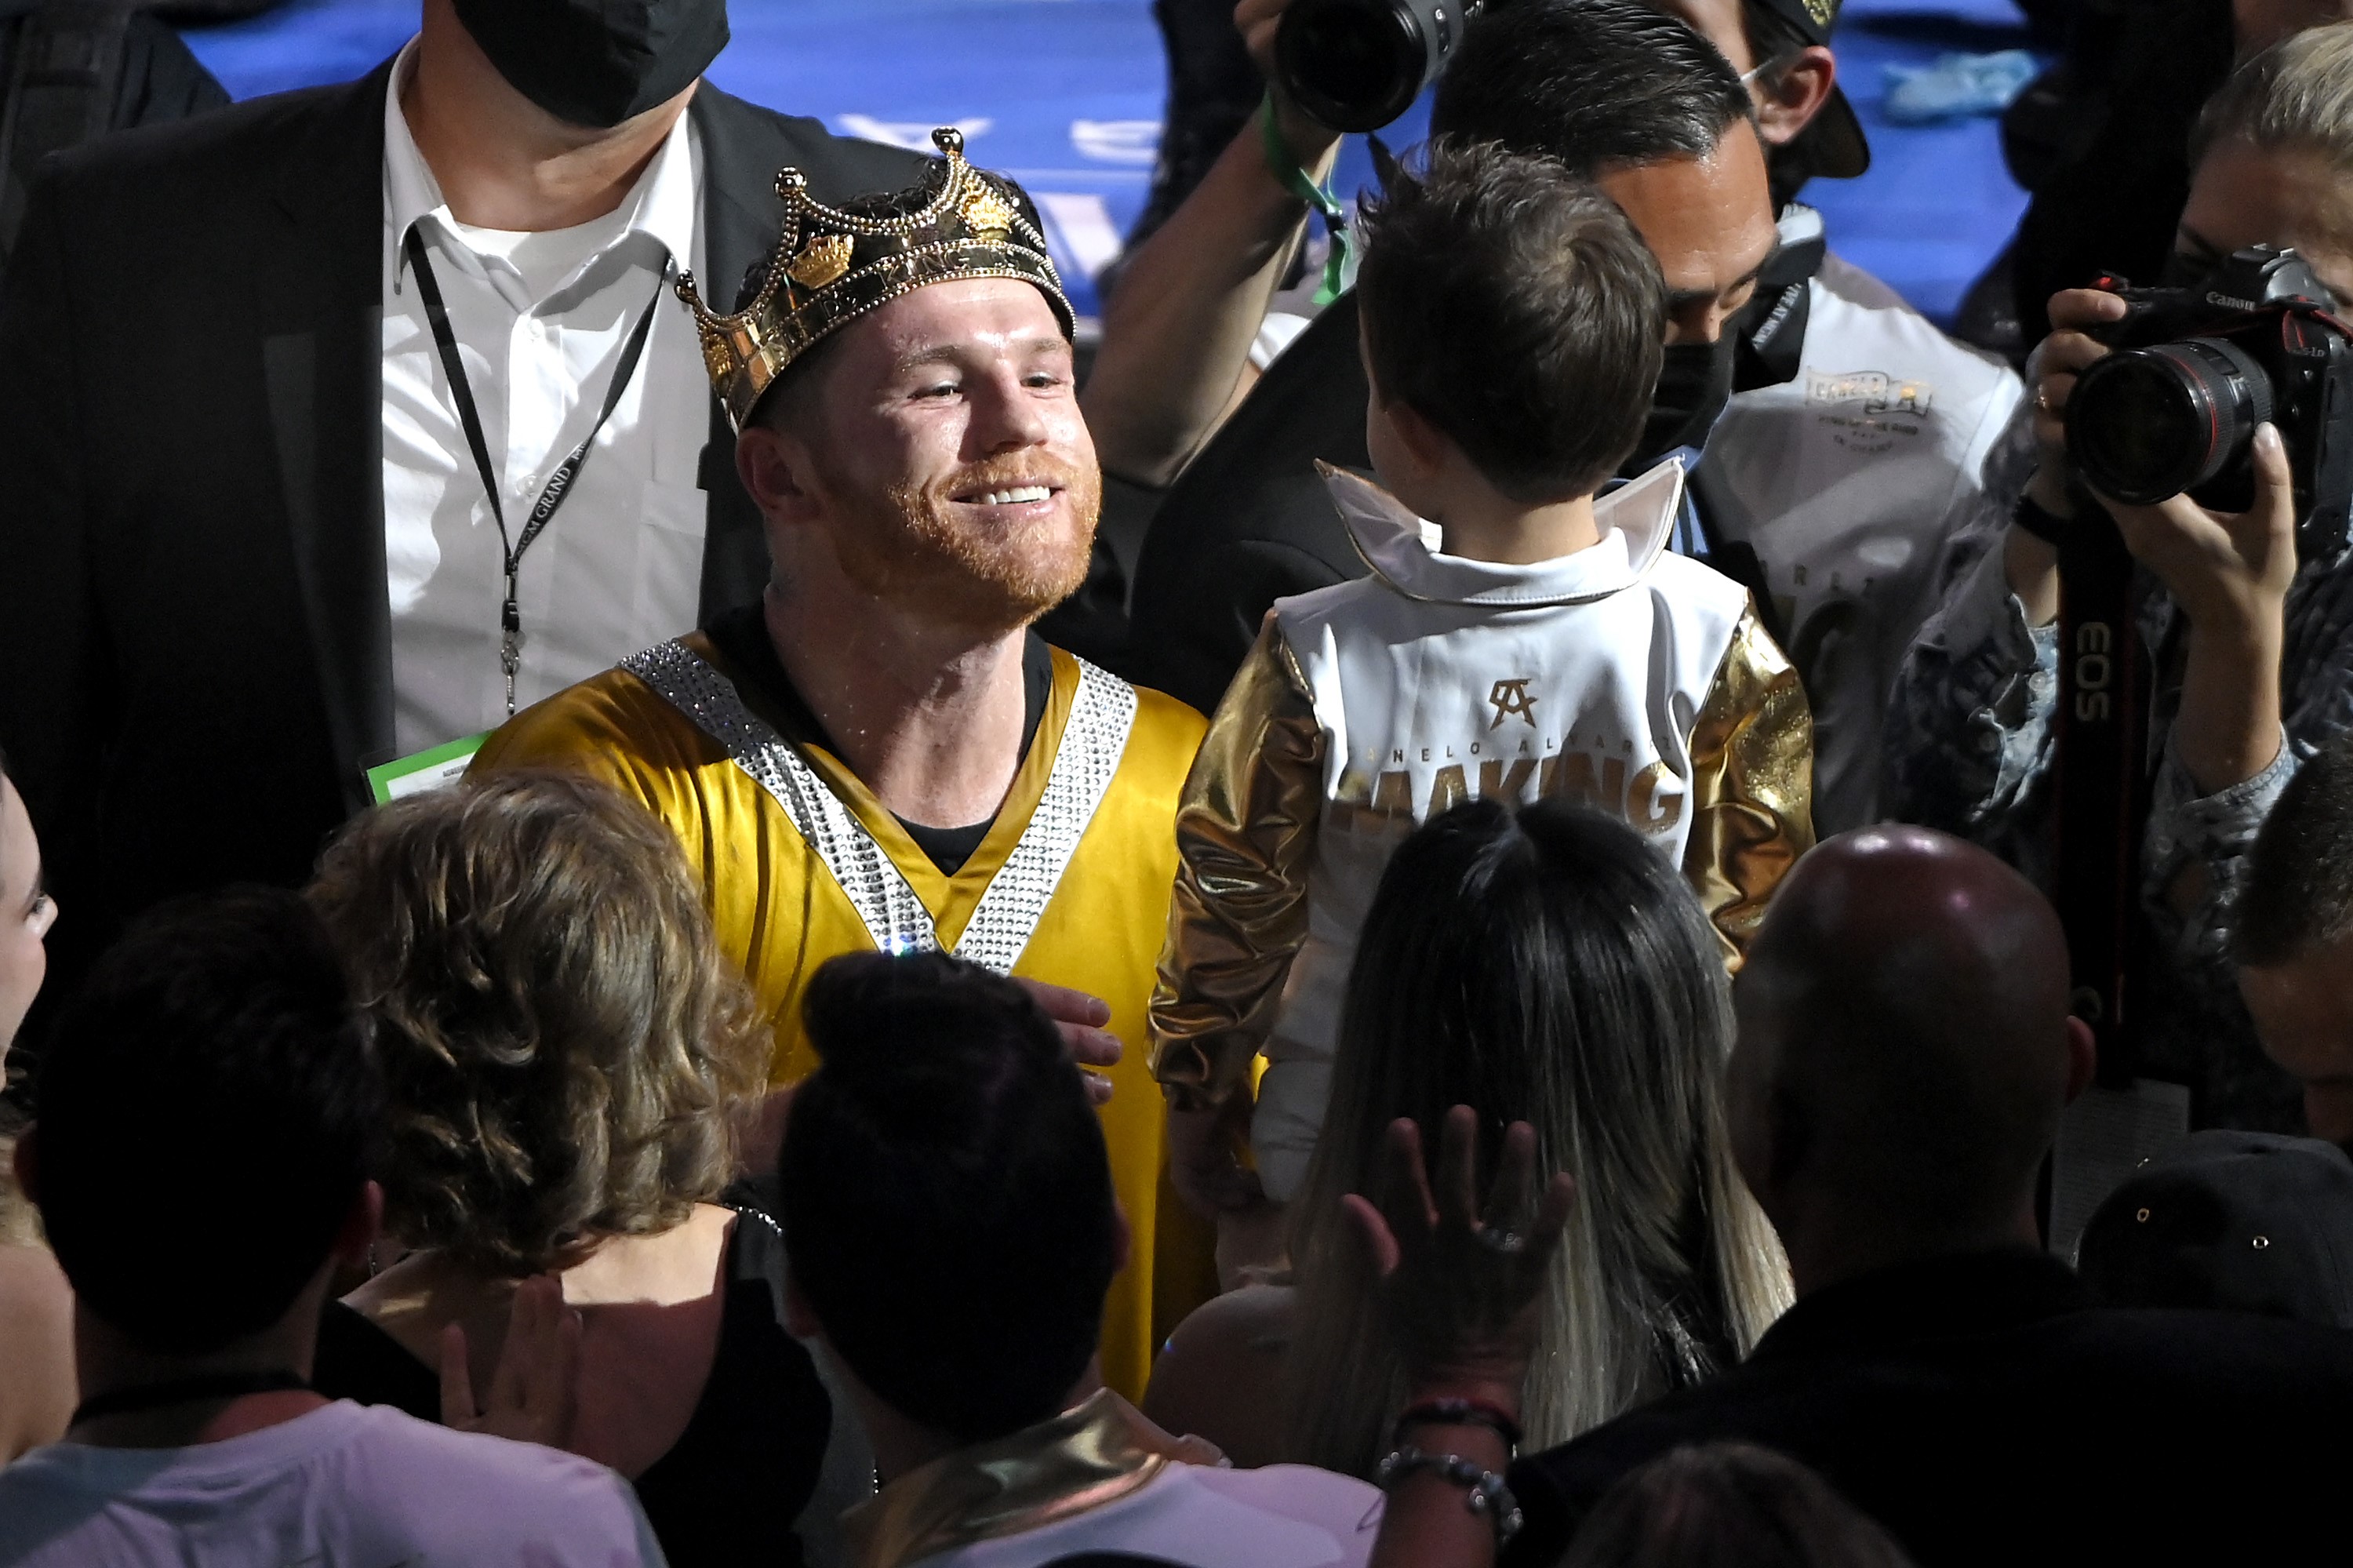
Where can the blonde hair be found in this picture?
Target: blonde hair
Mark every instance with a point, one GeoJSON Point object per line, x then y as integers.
{"type": "Point", "coordinates": [1550, 967]}
{"type": "Point", "coordinates": [566, 1049]}
{"type": "Point", "coordinates": [2297, 93]}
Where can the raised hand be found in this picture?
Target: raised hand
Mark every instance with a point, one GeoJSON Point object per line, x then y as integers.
{"type": "Point", "coordinates": [2062, 356]}
{"type": "Point", "coordinates": [533, 1394]}
{"type": "Point", "coordinates": [2228, 571]}
{"type": "Point", "coordinates": [1258, 21]}
{"type": "Point", "coordinates": [1081, 1018]}
{"type": "Point", "coordinates": [1464, 1283]}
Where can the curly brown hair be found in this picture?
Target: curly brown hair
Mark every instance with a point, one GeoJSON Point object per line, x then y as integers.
{"type": "Point", "coordinates": [568, 1052]}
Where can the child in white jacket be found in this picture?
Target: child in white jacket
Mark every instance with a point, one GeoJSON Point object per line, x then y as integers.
{"type": "Point", "coordinates": [1519, 636]}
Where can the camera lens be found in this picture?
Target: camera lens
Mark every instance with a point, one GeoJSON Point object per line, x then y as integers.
{"type": "Point", "coordinates": [1356, 65]}
{"type": "Point", "coordinates": [2143, 424]}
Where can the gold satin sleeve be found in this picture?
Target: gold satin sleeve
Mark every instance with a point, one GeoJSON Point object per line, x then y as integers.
{"type": "Point", "coordinates": [1245, 839]}
{"type": "Point", "coordinates": [1752, 785]}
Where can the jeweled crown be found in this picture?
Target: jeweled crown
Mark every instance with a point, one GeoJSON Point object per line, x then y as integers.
{"type": "Point", "coordinates": [831, 267]}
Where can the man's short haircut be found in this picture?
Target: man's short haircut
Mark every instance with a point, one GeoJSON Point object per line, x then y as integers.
{"type": "Point", "coordinates": [566, 1047]}
{"type": "Point", "coordinates": [1593, 84]}
{"type": "Point", "coordinates": [946, 1195]}
{"type": "Point", "coordinates": [2299, 889]}
{"type": "Point", "coordinates": [206, 1116]}
{"type": "Point", "coordinates": [2298, 93]}
{"type": "Point", "coordinates": [1511, 305]}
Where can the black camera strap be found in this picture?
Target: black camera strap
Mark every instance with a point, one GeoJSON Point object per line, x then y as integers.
{"type": "Point", "coordinates": [1771, 328]}
{"type": "Point", "coordinates": [2101, 727]}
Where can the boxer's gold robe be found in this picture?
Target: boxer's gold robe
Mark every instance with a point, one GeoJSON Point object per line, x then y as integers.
{"type": "Point", "coordinates": [800, 863]}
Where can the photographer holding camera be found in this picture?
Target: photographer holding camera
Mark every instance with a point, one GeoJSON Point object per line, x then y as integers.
{"type": "Point", "coordinates": [2250, 649]}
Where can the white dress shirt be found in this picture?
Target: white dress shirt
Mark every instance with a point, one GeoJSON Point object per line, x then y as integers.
{"type": "Point", "coordinates": [541, 322]}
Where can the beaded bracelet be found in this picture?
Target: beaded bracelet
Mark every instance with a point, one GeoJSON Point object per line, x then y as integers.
{"type": "Point", "coordinates": [1487, 1496]}
{"type": "Point", "coordinates": [1459, 1413]}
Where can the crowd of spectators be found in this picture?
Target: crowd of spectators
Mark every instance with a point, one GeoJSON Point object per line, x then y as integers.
{"type": "Point", "coordinates": [1494, 996]}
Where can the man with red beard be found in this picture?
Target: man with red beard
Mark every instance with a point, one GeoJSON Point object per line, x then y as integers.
{"type": "Point", "coordinates": [881, 754]}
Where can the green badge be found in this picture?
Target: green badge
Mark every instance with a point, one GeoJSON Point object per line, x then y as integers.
{"type": "Point", "coordinates": [437, 768]}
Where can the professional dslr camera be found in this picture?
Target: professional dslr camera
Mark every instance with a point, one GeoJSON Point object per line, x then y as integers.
{"type": "Point", "coordinates": [2197, 368]}
{"type": "Point", "coordinates": [1356, 65]}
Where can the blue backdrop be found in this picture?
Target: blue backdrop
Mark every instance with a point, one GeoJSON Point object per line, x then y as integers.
{"type": "Point", "coordinates": [1066, 96]}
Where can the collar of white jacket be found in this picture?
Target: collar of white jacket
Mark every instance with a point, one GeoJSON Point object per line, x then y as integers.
{"type": "Point", "coordinates": [1636, 520]}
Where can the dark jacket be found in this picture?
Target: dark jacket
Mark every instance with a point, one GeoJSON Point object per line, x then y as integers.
{"type": "Point", "coordinates": [195, 643]}
{"type": "Point", "coordinates": [1983, 1411]}
{"type": "Point", "coordinates": [2112, 205]}
{"type": "Point", "coordinates": [1248, 522]}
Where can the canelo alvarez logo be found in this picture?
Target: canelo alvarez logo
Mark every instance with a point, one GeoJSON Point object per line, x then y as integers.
{"type": "Point", "coordinates": [1511, 698]}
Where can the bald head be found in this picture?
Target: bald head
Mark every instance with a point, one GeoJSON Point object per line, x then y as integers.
{"type": "Point", "coordinates": [1904, 1047]}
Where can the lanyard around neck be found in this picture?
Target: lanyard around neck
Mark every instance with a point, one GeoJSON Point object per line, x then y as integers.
{"type": "Point", "coordinates": [559, 485]}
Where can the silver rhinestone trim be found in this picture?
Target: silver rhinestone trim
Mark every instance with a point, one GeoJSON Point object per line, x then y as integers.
{"type": "Point", "coordinates": [1094, 741]}
{"type": "Point", "coordinates": [894, 918]}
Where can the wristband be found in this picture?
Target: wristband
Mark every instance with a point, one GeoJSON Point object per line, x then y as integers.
{"type": "Point", "coordinates": [1487, 1495]}
{"type": "Point", "coordinates": [2038, 520]}
{"type": "Point", "coordinates": [1292, 175]}
{"type": "Point", "coordinates": [1459, 1413]}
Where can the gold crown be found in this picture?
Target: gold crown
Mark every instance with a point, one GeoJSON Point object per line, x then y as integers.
{"type": "Point", "coordinates": [831, 267]}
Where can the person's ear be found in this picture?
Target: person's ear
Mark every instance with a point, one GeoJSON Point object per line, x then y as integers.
{"type": "Point", "coordinates": [1122, 1237]}
{"type": "Point", "coordinates": [1424, 443]}
{"type": "Point", "coordinates": [778, 475]}
{"type": "Point", "coordinates": [356, 1237]}
{"type": "Point", "coordinates": [1798, 92]}
{"type": "Point", "coordinates": [26, 1164]}
{"type": "Point", "coordinates": [2083, 1057]}
{"type": "Point", "coordinates": [1408, 435]}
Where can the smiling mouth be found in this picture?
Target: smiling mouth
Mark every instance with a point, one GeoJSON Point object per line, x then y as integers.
{"type": "Point", "coordinates": [1010, 495]}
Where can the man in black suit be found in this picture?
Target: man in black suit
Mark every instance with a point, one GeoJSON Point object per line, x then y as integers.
{"type": "Point", "coordinates": [200, 646]}
{"type": "Point", "coordinates": [1904, 1049]}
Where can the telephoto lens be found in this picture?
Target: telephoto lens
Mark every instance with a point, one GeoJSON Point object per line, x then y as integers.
{"type": "Point", "coordinates": [2145, 424]}
{"type": "Point", "coordinates": [1356, 65]}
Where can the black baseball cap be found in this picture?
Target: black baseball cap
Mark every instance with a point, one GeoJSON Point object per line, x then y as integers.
{"type": "Point", "coordinates": [1834, 144]}
{"type": "Point", "coordinates": [2250, 1221]}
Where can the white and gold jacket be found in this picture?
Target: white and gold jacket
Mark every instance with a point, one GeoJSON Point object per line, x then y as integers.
{"type": "Point", "coordinates": [1623, 677]}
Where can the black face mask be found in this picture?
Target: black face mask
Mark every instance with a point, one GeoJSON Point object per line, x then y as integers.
{"type": "Point", "coordinates": [597, 62]}
{"type": "Point", "coordinates": [1694, 384]}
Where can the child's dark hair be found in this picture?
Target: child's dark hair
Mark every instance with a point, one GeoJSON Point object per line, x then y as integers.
{"type": "Point", "coordinates": [1513, 306]}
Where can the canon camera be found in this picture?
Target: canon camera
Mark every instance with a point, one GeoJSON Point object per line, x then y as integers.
{"type": "Point", "coordinates": [2196, 369]}
{"type": "Point", "coordinates": [1356, 65]}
